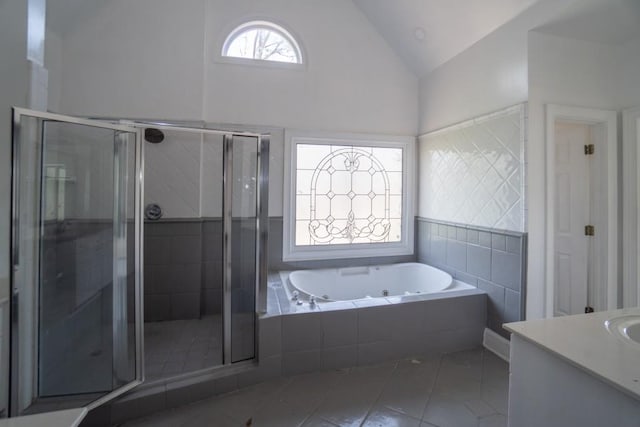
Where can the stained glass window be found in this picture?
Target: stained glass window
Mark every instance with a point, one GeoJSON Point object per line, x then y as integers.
{"type": "Point", "coordinates": [348, 194]}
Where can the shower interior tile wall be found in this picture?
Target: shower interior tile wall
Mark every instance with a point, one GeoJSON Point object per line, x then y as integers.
{"type": "Point", "coordinates": [183, 268]}
{"type": "Point", "coordinates": [494, 261]}
{"type": "Point", "coordinates": [180, 283]}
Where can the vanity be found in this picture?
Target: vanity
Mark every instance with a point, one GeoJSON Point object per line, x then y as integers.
{"type": "Point", "coordinates": [581, 370]}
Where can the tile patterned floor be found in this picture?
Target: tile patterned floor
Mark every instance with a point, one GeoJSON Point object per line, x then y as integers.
{"type": "Point", "coordinates": [178, 346]}
{"type": "Point", "coordinates": [456, 390]}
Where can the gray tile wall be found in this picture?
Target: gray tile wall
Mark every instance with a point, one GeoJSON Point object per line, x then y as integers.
{"type": "Point", "coordinates": [492, 260]}
{"type": "Point", "coordinates": [173, 270]}
{"type": "Point", "coordinates": [184, 272]}
{"type": "Point", "coordinates": [277, 264]}
{"type": "Point", "coordinates": [366, 335]}
{"type": "Point", "coordinates": [211, 299]}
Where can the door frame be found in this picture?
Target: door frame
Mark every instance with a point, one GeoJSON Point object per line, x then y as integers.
{"type": "Point", "coordinates": [607, 295]}
{"type": "Point", "coordinates": [630, 207]}
{"type": "Point", "coordinates": [24, 379]}
{"type": "Point", "coordinates": [637, 282]}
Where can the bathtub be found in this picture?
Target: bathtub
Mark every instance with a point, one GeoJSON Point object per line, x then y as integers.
{"type": "Point", "coordinates": [364, 315]}
{"type": "Point", "coordinates": [377, 281]}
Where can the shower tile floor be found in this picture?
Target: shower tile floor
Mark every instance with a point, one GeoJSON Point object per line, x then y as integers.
{"type": "Point", "coordinates": [456, 390]}
{"type": "Point", "coordinates": [178, 346]}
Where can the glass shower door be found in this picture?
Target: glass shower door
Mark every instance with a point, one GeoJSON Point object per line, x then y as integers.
{"type": "Point", "coordinates": [244, 247]}
{"type": "Point", "coordinates": [75, 254]}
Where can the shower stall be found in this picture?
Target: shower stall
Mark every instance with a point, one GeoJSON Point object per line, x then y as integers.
{"type": "Point", "coordinates": [138, 254]}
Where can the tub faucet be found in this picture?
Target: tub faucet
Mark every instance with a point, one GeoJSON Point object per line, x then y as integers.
{"type": "Point", "coordinates": [312, 301]}
{"type": "Point", "coordinates": [295, 296]}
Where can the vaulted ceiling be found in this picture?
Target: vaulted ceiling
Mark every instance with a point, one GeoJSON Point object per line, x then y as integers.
{"type": "Point", "coordinates": [613, 22]}
{"type": "Point", "coordinates": [427, 33]}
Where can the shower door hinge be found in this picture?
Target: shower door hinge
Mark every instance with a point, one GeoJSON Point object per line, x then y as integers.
{"type": "Point", "coordinates": [589, 230]}
{"type": "Point", "coordinates": [588, 309]}
{"type": "Point", "coordinates": [589, 149]}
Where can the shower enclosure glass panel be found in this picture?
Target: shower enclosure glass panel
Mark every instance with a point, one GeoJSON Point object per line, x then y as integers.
{"type": "Point", "coordinates": [75, 241]}
{"type": "Point", "coordinates": [244, 246]}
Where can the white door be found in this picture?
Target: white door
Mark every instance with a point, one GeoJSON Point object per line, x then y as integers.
{"type": "Point", "coordinates": [572, 214]}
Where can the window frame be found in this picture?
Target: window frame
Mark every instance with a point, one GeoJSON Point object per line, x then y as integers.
{"type": "Point", "coordinates": [293, 252]}
{"type": "Point", "coordinates": [247, 25]}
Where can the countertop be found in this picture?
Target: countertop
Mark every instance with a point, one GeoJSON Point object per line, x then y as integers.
{"type": "Point", "coordinates": [66, 418]}
{"type": "Point", "coordinates": [584, 341]}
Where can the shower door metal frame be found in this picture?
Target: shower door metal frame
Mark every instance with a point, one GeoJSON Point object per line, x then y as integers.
{"type": "Point", "coordinates": [227, 226]}
{"type": "Point", "coordinates": [262, 207]}
{"type": "Point", "coordinates": [262, 219]}
{"type": "Point", "coordinates": [15, 406]}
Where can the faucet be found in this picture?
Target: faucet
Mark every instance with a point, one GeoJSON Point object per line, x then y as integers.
{"type": "Point", "coordinates": [312, 301]}
{"type": "Point", "coordinates": [295, 296]}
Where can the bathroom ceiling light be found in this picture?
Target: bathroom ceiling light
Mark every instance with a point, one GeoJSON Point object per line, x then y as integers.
{"type": "Point", "coordinates": [419, 34]}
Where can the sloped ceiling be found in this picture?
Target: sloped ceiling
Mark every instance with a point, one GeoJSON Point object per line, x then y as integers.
{"type": "Point", "coordinates": [427, 33]}
{"type": "Point", "coordinates": [613, 22]}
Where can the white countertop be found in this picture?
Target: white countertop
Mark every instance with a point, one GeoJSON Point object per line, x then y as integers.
{"type": "Point", "coordinates": [66, 418]}
{"type": "Point", "coordinates": [583, 340]}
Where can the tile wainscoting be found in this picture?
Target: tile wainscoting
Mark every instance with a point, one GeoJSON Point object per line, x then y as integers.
{"type": "Point", "coordinates": [493, 260]}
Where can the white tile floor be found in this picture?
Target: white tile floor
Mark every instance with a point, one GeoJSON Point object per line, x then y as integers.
{"type": "Point", "coordinates": [178, 346]}
{"type": "Point", "coordinates": [456, 390]}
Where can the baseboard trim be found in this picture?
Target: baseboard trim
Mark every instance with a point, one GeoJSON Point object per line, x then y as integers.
{"type": "Point", "coordinates": [496, 344]}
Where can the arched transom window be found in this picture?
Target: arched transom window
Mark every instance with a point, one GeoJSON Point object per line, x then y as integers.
{"type": "Point", "coordinates": [262, 41]}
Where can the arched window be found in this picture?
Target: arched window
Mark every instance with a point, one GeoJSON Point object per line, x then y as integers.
{"type": "Point", "coordinates": [347, 196]}
{"type": "Point", "coordinates": [262, 41]}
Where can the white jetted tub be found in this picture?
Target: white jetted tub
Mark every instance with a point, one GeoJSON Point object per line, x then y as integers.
{"type": "Point", "coordinates": [355, 283]}
{"type": "Point", "coordinates": [363, 315]}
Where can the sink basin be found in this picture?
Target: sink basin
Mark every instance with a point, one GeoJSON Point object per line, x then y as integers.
{"type": "Point", "coordinates": [626, 328]}
{"type": "Point", "coordinates": [633, 332]}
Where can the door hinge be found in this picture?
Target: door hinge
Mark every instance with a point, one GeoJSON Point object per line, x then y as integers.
{"type": "Point", "coordinates": [589, 230]}
{"type": "Point", "coordinates": [588, 309]}
{"type": "Point", "coordinates": [589, 149]}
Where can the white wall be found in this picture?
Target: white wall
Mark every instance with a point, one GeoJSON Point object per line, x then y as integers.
{"type": "Point", "coordinates": [135, 59]}
{"type": "Point", "coordinates": [629, 80]}
{"type": "Point", "coordinates": [568, 72]}
{"type": "Point", "coordinates": [508, 67]}
{"type": "Point", "coordinates": [13, 91]}
{"type": "Point", "coordinates": [353, 81]}
{"type": "Point", "coordinates": [53, 61]}
{"type": "Point", "coordinates": [159, 59]}
{"type": "Point", "coordinates": [629, 100]}
{"type": "Point", "coordinates": [490, 75]}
